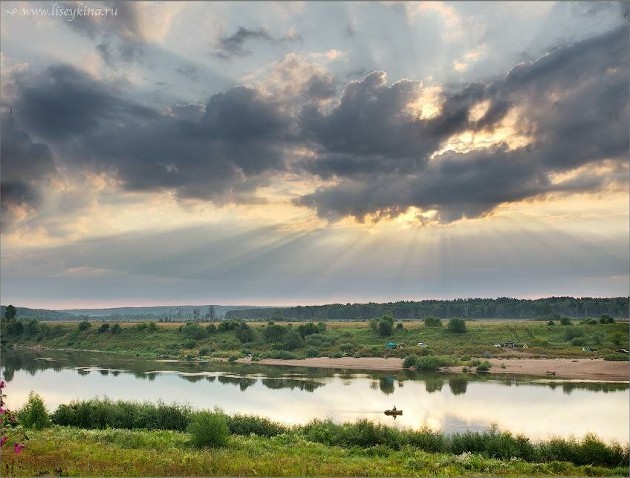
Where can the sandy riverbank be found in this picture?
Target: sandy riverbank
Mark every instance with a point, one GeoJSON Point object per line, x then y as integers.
{"type": "Point", "coordinates": [576, 369]}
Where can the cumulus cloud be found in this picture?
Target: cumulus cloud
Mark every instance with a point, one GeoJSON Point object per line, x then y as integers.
{"type": "Point", "coordinates": [219, 151]}
{"type": "Point", "coordinates": [573, 101]}
{"type": "Point", "coordinates": [374, 143]}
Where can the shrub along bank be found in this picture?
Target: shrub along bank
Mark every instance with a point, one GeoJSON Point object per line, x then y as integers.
{"type": "Point", "coordinates": [205, 427]}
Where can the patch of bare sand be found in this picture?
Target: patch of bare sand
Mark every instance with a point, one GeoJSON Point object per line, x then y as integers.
{"type": "Point", "coordinates": [581, 369]}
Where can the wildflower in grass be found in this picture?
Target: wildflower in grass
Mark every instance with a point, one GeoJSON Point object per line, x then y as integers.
{"type": "Point", "coordinates": [7, 419]}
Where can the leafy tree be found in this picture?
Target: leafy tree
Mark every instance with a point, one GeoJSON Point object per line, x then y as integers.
{"type": "Point", "coordinates": [457, 326]}
{"type": "Point", "coordinates": [244, 332]}
{"type": "Point", "coordinates": [385, 329]}
{"type": "Point", "coordinates": [321, 326]}
{"type": "Point", "coordinates": [10, 312]}
{"type": "Point", "coordinates": [104, 327]}
{"type": "Point", "coordinates": [386, 326]}
{"type": "Point", "coordinates": [308, 329]}
{"type": "Point", "coordinates": [565, 321]}
{"type": "Point", "coordinates": [292, 340]}
{"type": "Point", "coordinates": [606, 319]}
{"type": "Point", "coordinates": [194, 331]}
{"type": "Point", "coordinates": [116, 329]}
{"type": "Point", "coordinates": [273, 333]}
{"type": "Point", "coordinates": [84, 325]}
{"type": "Point", "coordinates": [34, 414]}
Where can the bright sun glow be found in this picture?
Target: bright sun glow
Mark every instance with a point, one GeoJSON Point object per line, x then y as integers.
{"type": "Point", "coordinates": [509, 132]}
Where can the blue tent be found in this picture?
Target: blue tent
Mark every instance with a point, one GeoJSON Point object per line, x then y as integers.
{"type": "Point", "coordinates": [391, 345]}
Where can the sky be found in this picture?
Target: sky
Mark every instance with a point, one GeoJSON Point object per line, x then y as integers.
{"type": "Point", "coordinates": [312, 152]}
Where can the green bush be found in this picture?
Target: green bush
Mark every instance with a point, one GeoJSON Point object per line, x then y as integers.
{"type": "Point", "coordinates": [116, 329]}
{"type": "Point", "coordinates": [312, 352]}
{"type": "Point", "coordinates": [244, 332]}
{"type": "Point", "coordinates": [84, 325]}
{"type": "Point", "coordinates": [104, 327]}
{"type": "Point", "coordinates": [457, 326]}
{"type": "Point", "coordinates": [209, 430]}
{"type": "Point", "coordinates": [432, 362]}
{"type": "Point", "coordinates": [249, 424]}
{"type": "Point", "coordinates": [410, 361]}
{"type": "Point", "coordinates": [484, 366]}
{"type": "Point", "coordinates": [565, 321]}
{"type": "Point", "coordinates": [432, 322]}
{"type": "Point", "coordinates": [34, 414]}
{"type": "Point", "coordinates": [572, 332]}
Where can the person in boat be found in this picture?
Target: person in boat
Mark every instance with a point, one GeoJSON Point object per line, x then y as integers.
{"type": "Point", "coordinates": [394, 409]}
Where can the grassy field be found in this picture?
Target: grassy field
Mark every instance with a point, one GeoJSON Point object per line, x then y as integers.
{"type": "Point", "coordinates": [334, 339]}
{"type": "Point", "coordinates": [63, 451]}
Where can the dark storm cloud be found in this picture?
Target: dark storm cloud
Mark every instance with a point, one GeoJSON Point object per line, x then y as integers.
{"type": "Point", "coordinates": [234, 45]}
{"type": "Point", "coordinates": [65, 103]}
{"type": "Point", "coordinates": [574, 103]}
{"type": "Point", "coordinates": [26, 166]}
{"type": "Point", "coordinates": [221, 151]}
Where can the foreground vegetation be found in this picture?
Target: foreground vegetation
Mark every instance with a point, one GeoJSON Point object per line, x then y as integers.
{"type": "Point", "coordinates": [445, 343]}
{"type": "Point", "coordinates": [100, 437]}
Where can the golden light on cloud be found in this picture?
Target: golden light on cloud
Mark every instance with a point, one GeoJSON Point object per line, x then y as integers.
{"type": "Point", "coordinates": [479, 110]}
{"type": "Point", "coordinates": [603, 169]}
{"type": "Point", "coordinates": [428, 105]}
{"type": "Point", "coordinates": [508, 132]}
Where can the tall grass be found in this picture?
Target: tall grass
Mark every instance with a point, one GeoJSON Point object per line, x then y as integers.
{"type": "Point", "coordinates": [493, 443]}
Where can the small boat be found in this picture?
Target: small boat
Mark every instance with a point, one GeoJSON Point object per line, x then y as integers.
{"type": "Point", "coordinates": [393, 412]}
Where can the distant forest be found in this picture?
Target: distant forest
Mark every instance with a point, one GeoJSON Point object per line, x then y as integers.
{"type": "Point", "coordinates": [501, 308]}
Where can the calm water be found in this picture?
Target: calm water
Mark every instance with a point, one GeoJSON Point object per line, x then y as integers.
{"type": "Point", "coordinates": [538, 409]}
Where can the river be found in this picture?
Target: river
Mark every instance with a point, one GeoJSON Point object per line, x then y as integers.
{"type": "Point", "coordinates": [537, 408]}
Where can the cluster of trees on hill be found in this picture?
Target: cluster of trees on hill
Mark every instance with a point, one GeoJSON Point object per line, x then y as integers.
{"type": "Point", "coordinates": [503, 307]}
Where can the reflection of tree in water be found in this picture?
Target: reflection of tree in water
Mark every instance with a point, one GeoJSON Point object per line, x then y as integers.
{"type": "Point", "coordinates": [210, 378]}
{"type": "Point", "coordinates": [104, 371]}
{"type": "Point", "coordinates": [192, 378]}
{"type": "Point", "coordinates": [433, 384]}
{"type": "Point", "coordinates": [291, 383]}
{"type": "Point", "coordinates": [242, 382]}
{"type": "Point", "coordinates": [386, 385]}
{"type": "Point", "coordinates": [458, 386]}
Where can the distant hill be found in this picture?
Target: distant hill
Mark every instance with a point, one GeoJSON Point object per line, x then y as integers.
{"type": "Point", "coordinates": [39, 314]}
{"type": "Point", "coordinates": [503, 307]}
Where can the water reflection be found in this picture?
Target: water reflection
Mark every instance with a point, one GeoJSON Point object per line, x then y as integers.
{"type": "Point", "coordinates": [296, 395]}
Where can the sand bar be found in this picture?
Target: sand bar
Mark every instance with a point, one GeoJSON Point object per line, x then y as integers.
{"type": "Point", "coordinates": [575, 369]}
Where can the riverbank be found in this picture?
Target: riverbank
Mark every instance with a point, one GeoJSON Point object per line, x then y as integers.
{"type": "Point", "coordinates": [577, 369]}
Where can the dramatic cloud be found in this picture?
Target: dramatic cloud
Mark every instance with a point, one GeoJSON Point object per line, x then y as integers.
{"type": "Point", "coordinates": [573, 103]}
{"type": "Point", "coordinates": [543, 128]}
{"type": "Point", "coordinates": [217, 153]}
{"type": "Point", "coordinates": [26, 167]}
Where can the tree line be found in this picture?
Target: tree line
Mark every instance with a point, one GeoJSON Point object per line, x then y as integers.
{"type": "Point", "coordinates": [503, 307]}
